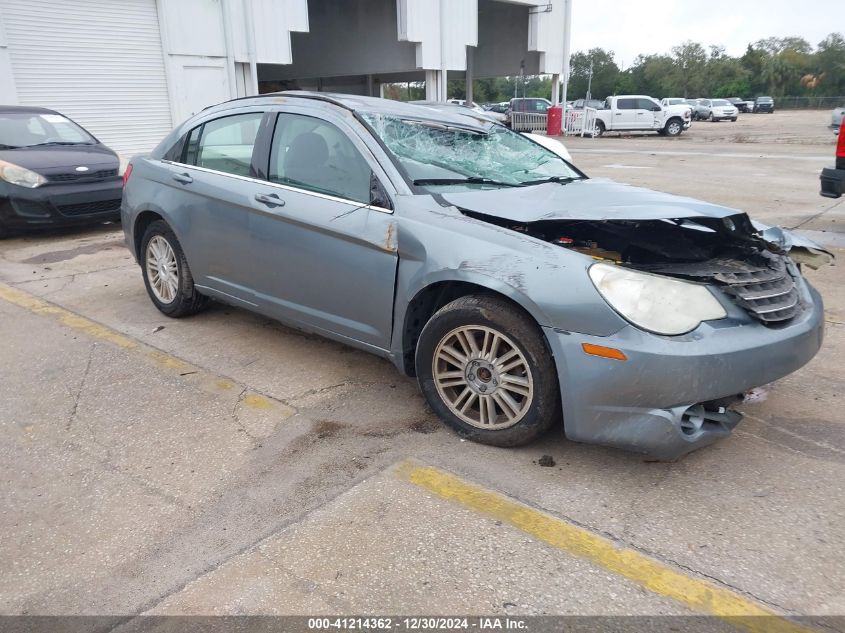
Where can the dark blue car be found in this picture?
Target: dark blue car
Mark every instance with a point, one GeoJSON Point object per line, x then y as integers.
{"type": "Point", "coordinates": [53, 172]}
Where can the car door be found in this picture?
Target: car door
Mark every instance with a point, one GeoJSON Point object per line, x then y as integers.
{"type": "Point", "coordinates": [647, 116]}
{"type": "Point", "coordinates": [323, 255]}
{"type": "Point", "coordinates": [211, 205]}
{"type": "Point", "coordinates": [625, 117]}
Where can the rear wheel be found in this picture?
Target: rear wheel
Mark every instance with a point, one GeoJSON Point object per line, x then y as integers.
{"type": "Point", "coordinates": [484, 368]}
{"type": "Point", "coordinates": [166, 274]}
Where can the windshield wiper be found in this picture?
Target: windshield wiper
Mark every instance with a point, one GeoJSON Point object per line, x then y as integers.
{"type": "Point", "coordinates": [471, 180]}
{"type": "Point", "coordinates": [563, 180]}
{"type": "Point", "coordinates": [60, 143]}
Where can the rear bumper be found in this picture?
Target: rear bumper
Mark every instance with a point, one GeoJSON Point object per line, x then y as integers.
{"type": "Point", "coordinates": [648, 404]}
{"type": "Point", "coordinates": [832, 182]}
{"type": "Point", "coordinates": [60, 205]}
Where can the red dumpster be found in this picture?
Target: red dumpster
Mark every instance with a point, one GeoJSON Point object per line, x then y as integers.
{"type": "Point", "coordinates": [553, 123]}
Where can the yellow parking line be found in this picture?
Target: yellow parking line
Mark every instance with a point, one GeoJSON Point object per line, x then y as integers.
{"type": "Point", "coordinates": [694, 593]}
{"type": "Point", "coordinates": [203, 379]}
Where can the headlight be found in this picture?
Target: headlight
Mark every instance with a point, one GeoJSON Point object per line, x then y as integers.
{"type": "Point", "coordinates": [656, 303]}
{"type": "Point", "coordinates": [20, 175]}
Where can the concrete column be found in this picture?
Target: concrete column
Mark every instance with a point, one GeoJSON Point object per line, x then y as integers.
{"type": "Point", "coordinates": [444, 85]}
{"type": "Point", "coordinates": [555, 89]}
{"type": "Point", "coordinates": [470, 76]}
{"type": "Point", "coordinates": [432, 85]}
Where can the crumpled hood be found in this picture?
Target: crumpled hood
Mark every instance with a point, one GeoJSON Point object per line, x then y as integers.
{"type": "Point", "coordinates": [594, 199]}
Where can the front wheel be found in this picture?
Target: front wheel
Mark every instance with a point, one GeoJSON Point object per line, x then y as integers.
{"type": "Point", "coordinates": [674, 128]}
{"type": "Point", "coordinates": [733, 120]}
{"type": "Point", "coordinates": [600, 129]}
{"type": "Point", "coordinates": [484, 368]}
{"type": "Point", "coordinates": [166, 274]}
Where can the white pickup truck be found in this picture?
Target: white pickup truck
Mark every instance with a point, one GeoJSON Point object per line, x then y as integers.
{"type": "Point", "coordinates": [639, 113]}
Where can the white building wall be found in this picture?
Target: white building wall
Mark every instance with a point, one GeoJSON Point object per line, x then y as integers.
{"type": "Point", "coordinates": [8, 91]}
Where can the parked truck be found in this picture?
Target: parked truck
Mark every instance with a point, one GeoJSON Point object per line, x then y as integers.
{"type": "Point", "coordinates": [640, 113]}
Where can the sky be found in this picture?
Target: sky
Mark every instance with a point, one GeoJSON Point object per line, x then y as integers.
{"type": "Point", "coordinates": [631, 27]}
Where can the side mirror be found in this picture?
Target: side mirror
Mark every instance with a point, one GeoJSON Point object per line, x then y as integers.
{"type": "Point", "coordinates": [657, 108]}
{"type": "Point", "coordinates": [378, 196]}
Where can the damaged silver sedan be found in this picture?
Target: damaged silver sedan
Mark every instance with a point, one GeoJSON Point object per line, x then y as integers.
{"type": "Point", "coordinates": [521, 294]}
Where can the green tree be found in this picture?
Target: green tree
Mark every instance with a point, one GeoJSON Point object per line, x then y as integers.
{"type": "Point", "coordinates": [689, 69]}
{"type": "Point", "coordinates": [830, 63]}
{"type": "Point", "coordinates": [605, 73]}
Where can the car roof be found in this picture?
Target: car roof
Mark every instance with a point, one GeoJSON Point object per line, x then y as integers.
{"type": "Point", "coordinates": [30, 109]}
{"type": "Point", "coordinates": [441, 113]}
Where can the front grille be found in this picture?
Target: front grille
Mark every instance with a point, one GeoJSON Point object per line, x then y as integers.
{"type": "Point", "coordinates": [89, 208]}
{"type": "Point", "coordinates": [767, 294]}
{"type": "Point", "coordinates": [83, 175]}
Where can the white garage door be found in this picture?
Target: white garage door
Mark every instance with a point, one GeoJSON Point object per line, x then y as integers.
{"type": "Point", "coordinates": [99, 62]}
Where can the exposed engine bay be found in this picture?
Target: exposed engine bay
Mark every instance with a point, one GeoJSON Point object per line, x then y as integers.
{"type": "Point", "coordinates": [759, 275]}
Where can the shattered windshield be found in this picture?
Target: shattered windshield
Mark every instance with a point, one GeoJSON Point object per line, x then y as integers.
{"type": "Point", "coordinates": [439, 154]}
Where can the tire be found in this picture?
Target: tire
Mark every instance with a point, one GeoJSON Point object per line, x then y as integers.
{"type": "Point", "coordinates": [711, 118]}
{"type": "Point", "coordinates": [456, 389]}
{"type": "Point", "coordinates": [600, 129]}
{"type": "Point", "coordinates": [177, 298]}
{"type": "Point", "coordinates": [674, 127]}
{"type": "Point", "coordinates": [733, 120]}
{"type": "Point", "coordinates": [4, 232]}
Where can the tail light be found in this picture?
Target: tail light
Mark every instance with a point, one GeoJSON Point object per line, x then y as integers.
{"type": "Point", "coordinates": [127, 173]}
{"type": "Point", "coordinates": [840, 147]}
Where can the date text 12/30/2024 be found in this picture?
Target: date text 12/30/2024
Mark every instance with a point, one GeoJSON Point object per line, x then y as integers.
{"type": "Point", "coordinates": [416, 624]}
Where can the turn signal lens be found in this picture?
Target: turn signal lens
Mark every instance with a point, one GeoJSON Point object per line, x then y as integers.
{"type": "Point", "coordinates": [604, 352]}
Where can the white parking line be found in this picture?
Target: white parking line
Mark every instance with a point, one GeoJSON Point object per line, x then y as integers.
{"type": "Point", "coordinates": [651, 152]}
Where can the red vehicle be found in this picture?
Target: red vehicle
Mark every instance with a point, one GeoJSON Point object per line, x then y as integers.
{"type": "Point", "coordinates": [833, 178]}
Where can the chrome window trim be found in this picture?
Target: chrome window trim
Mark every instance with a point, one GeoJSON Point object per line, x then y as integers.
{"type": "Point", "coordinates": [276, 185]}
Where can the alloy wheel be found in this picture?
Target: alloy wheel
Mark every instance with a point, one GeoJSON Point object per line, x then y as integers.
{"type": "Point", "coordinates": [162, 271]}
{"type": "Point", "coordinates": [483, 377]}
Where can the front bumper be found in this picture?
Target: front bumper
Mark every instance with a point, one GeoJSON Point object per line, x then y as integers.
{"type": "Point", "coordinates": [60, 205]}
{"type": "Point", "coordinates": [644, 404]}
{"type": "Point", "coordinates": [833, 182]}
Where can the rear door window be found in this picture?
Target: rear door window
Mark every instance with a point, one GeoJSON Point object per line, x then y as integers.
{"type": "Point", "coordinates": [225, 144]}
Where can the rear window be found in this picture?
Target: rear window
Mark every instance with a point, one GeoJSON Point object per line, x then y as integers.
{"type": "Point", "coordinates": [225, 144]}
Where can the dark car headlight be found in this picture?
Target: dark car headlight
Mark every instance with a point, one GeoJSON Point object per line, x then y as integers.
{"type": "Point", "coordinates": [20, 176]}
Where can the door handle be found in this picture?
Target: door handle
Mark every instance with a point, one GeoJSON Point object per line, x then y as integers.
{"type": "Point", "coordinates": [185, 179]}
{"type": "Point", "coordinates": [271, 200]}
{"type": "Point", "coordinates": [618, 114]}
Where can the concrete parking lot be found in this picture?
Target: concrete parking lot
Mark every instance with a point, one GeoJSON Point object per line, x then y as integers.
{"type": "Point", "coordinates": [226, 464]}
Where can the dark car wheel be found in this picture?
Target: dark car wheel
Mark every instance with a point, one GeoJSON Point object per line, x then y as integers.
{"type": "Point", "coordinates": [734, 119]}
{"type": "Point", "coordinates": [166, 274]}
{"type": "Point", "coordinates": [484, 368]}
{"type": "Point", "coordinates": [600, 129]}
